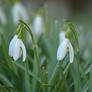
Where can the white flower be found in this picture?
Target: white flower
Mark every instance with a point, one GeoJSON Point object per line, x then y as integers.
{"type": "Point", "coordinates": [12, 44]}
{"type": "Point", "coordinates": [2, 17]}
{"type": "Point", "coordinates": [19, 12]}
{"type": "Point", "coordinates": [61, 36]}
{"type": "Point", "coordinates": [38, 26]}
{"type": "Point", "coordinates": [19, 46]}
{"type": "Point", "coordinates": [16, 48]}
{"type": "Point", "coordinates": [63, 48]}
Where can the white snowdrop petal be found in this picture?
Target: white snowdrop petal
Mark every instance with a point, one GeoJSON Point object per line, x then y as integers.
{"type": "Point", "coordinates": [38, 25]}
{"type": "Point", "coordinates": [12, 44]}
{"type": "Point", "coordinates": [24, 51]}
{"type": "Point", "coordinates": [71, 52]}
{"type": "Point", "coordinates": [62, 50]}
{"type": "Point", "coordinates": [61, 36]}
{"type": "Point", "coordinates": [17, 50]}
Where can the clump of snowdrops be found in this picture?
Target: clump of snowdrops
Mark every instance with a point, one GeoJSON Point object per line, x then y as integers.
{"type": "Point", "coordinates": [33, 60]}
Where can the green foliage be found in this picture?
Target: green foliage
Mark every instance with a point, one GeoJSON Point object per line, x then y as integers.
{"type": "Point", "coordinates": [41, 72]}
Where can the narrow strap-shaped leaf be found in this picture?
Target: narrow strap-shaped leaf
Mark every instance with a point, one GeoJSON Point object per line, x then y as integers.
{"type": "Point", "coordinates": [90, 82]}
{"type": "Point", "coordinates": [27, 81]}
{"type": "Point", "coordinates": [86, 87]}
{"type": "Point", "coordinates": [55, 71]}
{"type": "Point", "coordinates": [35, 70]}
{"type": "Point", "coordinates": [30, 73]}
{"type": "Point", "coordinates": [76, 74]}
{"type": "Point", "coordinates": [3, 89]}
{"type": "Point", "coordinates": [5, 80]}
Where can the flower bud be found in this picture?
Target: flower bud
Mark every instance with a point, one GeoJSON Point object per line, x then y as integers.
{"type": "Point", "coordinates": [38, 26]}
{"type": "Point", "coordinates": [19, 12]}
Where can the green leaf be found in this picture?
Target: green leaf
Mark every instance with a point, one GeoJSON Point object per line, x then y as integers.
{"type": "Point", "coordinates": [53, 62]}
{"type": "Point", "coordinates": [5, 80]}
{"type": "Point", "coordinates": [3, 89]}
{"type": "Point", "coordinates": [27, 80]}
{"type": "Point", "coordinates": [35, 70]}
{"type": "Point", "coordinates": [29, 71]}
{"type": "Point", "coordinates": [76, 74]}
{"type": "Point", "coordinates": [90, 82]}
{"type": "Point", "coordinates": [85, 87]}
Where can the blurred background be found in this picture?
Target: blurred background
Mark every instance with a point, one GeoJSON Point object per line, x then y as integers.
{"type": "Point", "coordinates": [78, 11]}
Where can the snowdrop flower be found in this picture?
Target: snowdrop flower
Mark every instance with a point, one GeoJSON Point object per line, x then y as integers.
{"type": "Point", "coordinates": [2, 17]}
{"type": "Point", "coordinates": [12, 44]}
{"type": "Point", "coordinates": [38, 26]}
{"type": "Point", "coordinates": [63, 48]}
{"type": "Point", "coordinates": [19, 12]}
{"type": "Point", "coordinates": [61, 36]}
{"type": "Point", "coordinates": [16, 48]}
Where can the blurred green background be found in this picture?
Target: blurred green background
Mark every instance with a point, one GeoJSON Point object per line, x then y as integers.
{"type": "Point", "coordinates": [78, 11]}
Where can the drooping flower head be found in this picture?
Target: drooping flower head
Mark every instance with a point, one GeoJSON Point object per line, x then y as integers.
{"type": "Point", "coordinates": [19, 12]}
{"type": "Point", "coordinates": [16, 48]}
{"type": "Point", "coordinates": [63, 48]}
{"type": "Point", "coordinates": [65, 44]}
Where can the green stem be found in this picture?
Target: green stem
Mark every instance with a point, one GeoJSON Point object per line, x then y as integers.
{"type": "Point", "coordinates": [71, 26]}
{"type": "Point", "coordinates": [33, 42]}
{"type": "Point", "coordinates": [30, 32]}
